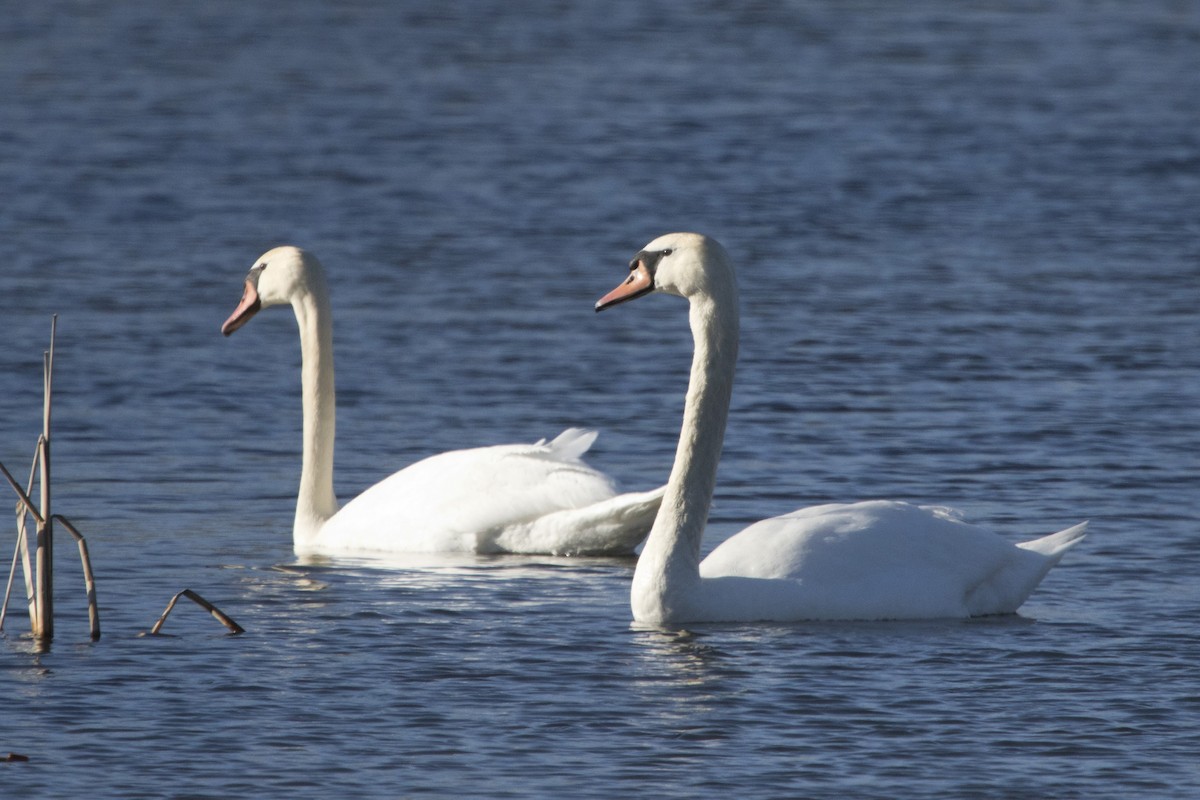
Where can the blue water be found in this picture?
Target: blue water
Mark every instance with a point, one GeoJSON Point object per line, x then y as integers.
{"type": "Point", "coordinates": [969, 257]}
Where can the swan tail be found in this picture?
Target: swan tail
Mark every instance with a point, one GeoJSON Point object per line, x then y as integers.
{"type": "Point", "coordinates": [1054, 545]}
{"type": "Point", "coordinates": [612, 527]}
{"type": "Point", "coordinates": [572, 443]}
{"type": "Point", "coordinates": [1005, 590]}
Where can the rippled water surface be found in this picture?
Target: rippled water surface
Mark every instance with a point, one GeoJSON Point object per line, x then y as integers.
{"type": "Point", "coordinates": [969, 257]}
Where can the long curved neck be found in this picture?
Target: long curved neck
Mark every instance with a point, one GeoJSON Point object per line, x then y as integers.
{"type": "Point", "coordinates": [668, 570]}
{"type": "Point", "coordinates": [316, 502]}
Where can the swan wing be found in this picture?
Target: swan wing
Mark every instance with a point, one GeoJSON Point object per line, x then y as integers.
{"type": "Point", "coordinates": [612, 527]}
{"type": "Point", "coordinates": [464, 500]}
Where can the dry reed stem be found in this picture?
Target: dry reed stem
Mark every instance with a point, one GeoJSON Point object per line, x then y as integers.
{"type": "Point", "coordinates": [12, 574]}
{"type": "Point", "coordinates": [24, 498]}
{"type": "Point", "coordinates": [217, 613]}
{"type": "Point", "coordinates": [22, 547]}
{"type": "Point", "coordinates": [44, 629]}
{"type": "Point", "coordinates": [89, 579]}
{"type": "Point", "coordinates": [48, 376]}
{"type": "Point", "coordinates": [12, 571]}
{"type": "Point", "coordinates": [23, 541]}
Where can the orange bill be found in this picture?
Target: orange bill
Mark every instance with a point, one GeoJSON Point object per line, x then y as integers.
{"type": "Point", "coordinates": [246, 309]}
{"type": "Point", "coordinates": [638, 283]}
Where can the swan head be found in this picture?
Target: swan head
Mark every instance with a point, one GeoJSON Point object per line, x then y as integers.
{"type": "Point", "coordinates": [683, 264]}
{"type": "Point", "coordinates": [278, 276]}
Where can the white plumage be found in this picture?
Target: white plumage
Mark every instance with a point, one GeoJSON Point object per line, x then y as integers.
{"type": "Point", "coordinates": [882, 559]}
{"type": "Point", "coordinates": [512, 498]}
{"type": "Point", "coordinates": [535, 498]}
{"type": "Point", "coordinates": [872, 560]}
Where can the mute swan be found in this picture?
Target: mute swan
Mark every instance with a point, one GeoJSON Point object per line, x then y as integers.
{"type": "Point", "coordinates": [870, 560]}
{"type": "Point", "coordinates": [531, 498]}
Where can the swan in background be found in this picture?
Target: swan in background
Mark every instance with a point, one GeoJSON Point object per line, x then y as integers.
{"type": "Point", "coordinates": [870, 560]}
{"type": "Point", "coordinates": [525, 498]}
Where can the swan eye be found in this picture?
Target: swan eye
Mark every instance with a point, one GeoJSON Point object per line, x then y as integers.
{"type": "Point", "coordinates": [667, 252]}
{"type": "Point", "coordinates": [255, 272]}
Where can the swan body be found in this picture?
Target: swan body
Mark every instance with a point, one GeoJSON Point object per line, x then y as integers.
{"type": "Point", "coordinates": [870, 560]}
{"type": "Point", "coordinates": [536, 498]}
{"type": "Point", "coordinates": [524, 498]}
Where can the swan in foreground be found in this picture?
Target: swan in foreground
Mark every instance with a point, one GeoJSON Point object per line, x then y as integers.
{"type": "Point", "coordinates": [870, 560]}
{"type": "Point", "coordinates": [525, 498]}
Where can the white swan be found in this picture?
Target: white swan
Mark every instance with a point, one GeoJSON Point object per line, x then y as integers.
{"type": "Point", "coordinates": [872, 560]}
{"type": "Point", "coordinates": [534, 498]}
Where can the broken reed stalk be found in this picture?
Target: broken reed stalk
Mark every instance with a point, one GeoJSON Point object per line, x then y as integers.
{"type": "Point", "coordinates": [12, 573]}
{"type": "Point", "coordinates": [21, 551]}
{"type": "Point", "coordinates": [89, 580]}
{"type": "Point", "coordinates": [22, 542]}
{"type": "Point", "coordinates": [85, 558]}
{"type": "Point", "coordinates": [34, 615]}
{"type": "Point", "coordinates": [23, 535]}
{"type": "Point", "coordinates": [39, 578]}
{"type": "Point", "coordinates": [39, 586]}
{"type": "Point", "coordinates": [217, 613]}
